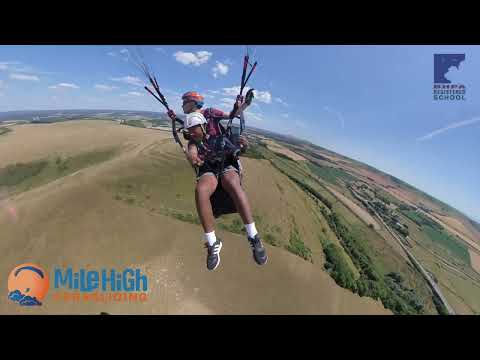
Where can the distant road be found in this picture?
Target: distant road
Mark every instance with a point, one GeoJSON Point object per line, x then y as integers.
{"type": "Point", "coordinates": [415, 262]}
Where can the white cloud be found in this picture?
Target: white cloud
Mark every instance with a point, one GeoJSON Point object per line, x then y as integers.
{"type": "Point", "coordinates": [125, 54]}
{"type": "Point", "coordinates": [12, 67]}
{"type": "Point", "coordinates": [212, 94]}
{"type": "Point", "coordinates": [233, 91]}
{"type": "Point", "coordinates": [24, 77]}
{"type": "Point", "coordinates": [69, 85]}
{"type": "Point", "coordinates": [171, 92]}
{"type": "Point", "coordinates": [254, 116]}
{"type": "Point", "coordinates": [22, 70]}
{"type": "Point", "coordinates": [6, 64]}
{"type": "Point", "coordinates": [111, 53]}
{"type": "Point", "coordinates": [223, 106]}
{"type": "Point", "coordinates": [227, 101]}
{"type": "Point", "coordinates": [219, 69]}
{"type": "Point", "coordinates": [449, 127]}
{"type": "Point", "coordinates": [131, 80]}
{"type": "Point", "coordinates": [188, 58]}
{"type": "Point", "coordinates": [104, 87]}
{"type": "Point", "coordinates": [285, 115]}
{"type": "Point", "coordinates": [64, 86]}
{"type": "Point", "coordinates": [262, 96]}
{"type": "Point", "coordinates": [132, 93]}
{"type": "Point", "coordinates": [280, 101]}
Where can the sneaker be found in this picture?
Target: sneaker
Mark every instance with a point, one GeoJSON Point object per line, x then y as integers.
{"type": "Point", "coordinates": [259, 252]}
{"type": "Point", "coordinates": [213, 254]}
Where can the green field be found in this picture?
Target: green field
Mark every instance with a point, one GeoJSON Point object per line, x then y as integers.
{"type": "Point", "coordinates": [297, 246]}
{"type": "Point", "coordinates": [256, 150]}
{"type": "Point", "coordinates": [375, 277]}
{"type": "Point", "coordinates": [461, 292]}
{"type": "Point", "coordinates": [5, 130]}
{"type": "Point", "coordinates": [135, 123]}
{"type": "Point", "coordinates": [330, 174]}
{"type": "Point", "coordinates": [157, 122]}
{"type": "Point", "coordinates": [20, 177]}
{"type": "Point", "coordinates": [421, 220]}
{"type": "Point", "coordinates": [436, 236]}
{"type": "Point", "coordinates": [448, 242]}
{"type": "Point", "coordinates": [362, 246]}
{"type": "Point", "coordinates": [386, 197]}
{"type": "Point", "coordinates": [338, 267]}
{"type": "Point", "coordinates": [15, 174]}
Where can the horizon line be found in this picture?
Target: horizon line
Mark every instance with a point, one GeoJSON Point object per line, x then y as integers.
{"type": "Point", "coordinates": [470, 217]}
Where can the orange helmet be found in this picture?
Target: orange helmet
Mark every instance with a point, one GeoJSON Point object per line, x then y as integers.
{"type": "Point", "coordinates": [193, 96]}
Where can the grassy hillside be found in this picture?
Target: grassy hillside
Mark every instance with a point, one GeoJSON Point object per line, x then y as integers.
{"type": "Point", "coordinates": [358, 245]}
{"type": "Point", "coordinates": [19, 177]}
{"type": "Point", "coordinates": [140, 195]}
{"type": "Point", "coordinates": [134, 206]}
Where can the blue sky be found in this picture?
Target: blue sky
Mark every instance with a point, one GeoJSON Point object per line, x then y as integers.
{"type": "Point", "coordinates": [371, 103]}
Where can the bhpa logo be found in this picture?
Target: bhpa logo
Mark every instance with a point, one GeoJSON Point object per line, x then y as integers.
{"type": "Point", "coordinates": [443, 89]}
{"type": "Point", "coordinates": [28, 284]}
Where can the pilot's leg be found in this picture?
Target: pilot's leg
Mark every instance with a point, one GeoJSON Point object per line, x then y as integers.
{"type": "Point", "coordinates": [206, 185]}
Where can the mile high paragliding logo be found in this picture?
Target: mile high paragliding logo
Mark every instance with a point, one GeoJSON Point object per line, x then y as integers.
{"type": "Point", "coordinates": [28, 284]}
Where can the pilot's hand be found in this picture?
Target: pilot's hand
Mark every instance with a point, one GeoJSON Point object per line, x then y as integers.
{"type": "Point", "coordinates": [239, 102]}
{"type": "Point", "coordinates": [243, 142]}
{"type": "Point", "coordinates": [236, 106]}
{"type": "Point", "coordinates": [195, 160]}
{"type": "Point", "coordinates": [171, 114]}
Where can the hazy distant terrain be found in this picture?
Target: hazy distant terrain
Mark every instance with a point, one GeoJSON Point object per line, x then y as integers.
{"type": "Point", "coordinates": [342, 236]}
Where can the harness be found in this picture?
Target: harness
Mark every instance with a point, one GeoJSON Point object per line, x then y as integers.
{"type": "Point", "coordinates": [218, 147]}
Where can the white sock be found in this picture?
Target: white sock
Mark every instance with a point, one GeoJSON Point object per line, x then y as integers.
{"type": "Point", "coordinates": [251, 230]}
{"type": "Point", "coordinates": [210, 238]}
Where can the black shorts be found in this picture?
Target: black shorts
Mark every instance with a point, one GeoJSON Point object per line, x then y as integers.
{"type": "Point", "coordinates": [214, 169]}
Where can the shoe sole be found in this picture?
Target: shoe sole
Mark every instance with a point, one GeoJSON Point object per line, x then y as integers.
{"type": "Point", "coordinates": [218, 263]}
